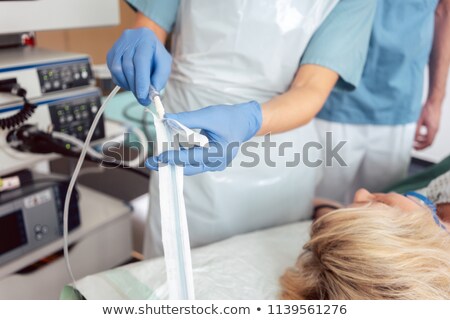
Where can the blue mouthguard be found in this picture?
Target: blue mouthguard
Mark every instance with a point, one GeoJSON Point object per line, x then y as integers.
{"type": "Point", "coordinates": [427, 202]}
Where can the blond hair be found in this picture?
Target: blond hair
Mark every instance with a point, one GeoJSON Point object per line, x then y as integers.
{"type": "Point", "coordinates": [372, 253]}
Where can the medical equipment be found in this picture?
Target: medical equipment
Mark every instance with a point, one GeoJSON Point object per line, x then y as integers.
{"type": "Point", "coordinates": [52, 115]}
{"type": "Point", "coordinates": [425, 202]}
{"type": "Point", "coordinates": [42, 71]}
{"type": "Point", "coordinates": [175, 236]}
{"type": "Point", "coordinates": [47, 78]}
{"type": "Point", "coordinates": [32, 216]}
{"type": "Point", "coordinates": [58, 85]}
{"type": "Point", "coordinates": [173, 212]}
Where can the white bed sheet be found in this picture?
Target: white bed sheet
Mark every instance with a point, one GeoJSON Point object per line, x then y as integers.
{"type": "Point", "coordinates": [243, 267]}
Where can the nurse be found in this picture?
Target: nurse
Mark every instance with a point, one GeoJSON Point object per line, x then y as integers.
{"type": "Point", "coordinates": [383, 119]}
{"type": "Point", "coordinates": [247, 68]}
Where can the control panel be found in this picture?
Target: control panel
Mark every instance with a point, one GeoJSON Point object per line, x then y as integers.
{"type": "Point", "coordinates": [65, 76]}
{"type": "Point", "coordinates": [32, 216]}
{"type": "Point", "coordinates": [75, 116]}
{"type": "Point", "coordinates": [43, 72]}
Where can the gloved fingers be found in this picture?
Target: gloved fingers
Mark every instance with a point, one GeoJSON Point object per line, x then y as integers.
{"type": "Point", "coordinates": [115, 66]}
{"type": "Point", "coordinates": [142, 60]}
{"type": "Point", "coordinates": [128, 68]}
{"type": "Point", "coordinates": [196, 160]}
{"type": "Point", "coordinates": [162, 64]}
{"type": "Point", "coordinates": [152, 163]}
{"type": "Point", "coordinates": [197, 119]}
{"type": "Point", "coordinates": [190, 159]}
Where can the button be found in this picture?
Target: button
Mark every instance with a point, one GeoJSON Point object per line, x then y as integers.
{"type": "Point", "coordinates": [76, 76]}
{"type": "Point", "coordinates": [47, 85]}
{"type": "Point", "coordinates": [94, 109]}
{"type": "Point", "coordinates": [69, 118]}
{"type": "Point", "coordinates": [85, 114]}
{"type": "Point", "coordinates": [38, 236]}
{"type": "Point", "coordinates": [44, 229]}
{"type": "Point", "coordinates": [37, 228]}
{"type": "Point", "coordinates": [56, 84]}
{"type": "Point", "coordinates": [84, 74]}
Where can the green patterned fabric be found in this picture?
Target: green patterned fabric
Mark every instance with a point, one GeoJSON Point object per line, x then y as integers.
{"type": "Point", "coordinates": [422, 179]}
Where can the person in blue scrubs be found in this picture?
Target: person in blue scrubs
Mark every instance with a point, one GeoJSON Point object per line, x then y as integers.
{"type": "Point", "coordinates": [383, 119]}
{"type": "Point", "coordinates": [236, 72]}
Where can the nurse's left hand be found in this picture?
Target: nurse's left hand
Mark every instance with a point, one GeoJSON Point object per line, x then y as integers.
{"type": "Point", "coordinates": [427, 126]}
{"type": "Point", "coordinates": [226, 126]}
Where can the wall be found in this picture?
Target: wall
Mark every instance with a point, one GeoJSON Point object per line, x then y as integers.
{"type": "Point", "coordinates": [94, 41]}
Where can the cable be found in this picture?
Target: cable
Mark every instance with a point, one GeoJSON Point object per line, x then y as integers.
{"type": "Point", "coordinates": [34, 140]}
{"type": "Point", "coordinates": [73, 180]}
{"type": "Point", "coordinates": [77, 142]}
{"type": "Point", "coordinates": [21, 116]}
{"type": "Point", "coordinates": [113, 165]}
{"type": "Point", "coordinates": [75, 174]}
{"type": "Point", "coordinates": [30, 139]}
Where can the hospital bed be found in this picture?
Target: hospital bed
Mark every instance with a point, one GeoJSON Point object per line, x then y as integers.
{"type": "Point", "coordinates": [243, 267]}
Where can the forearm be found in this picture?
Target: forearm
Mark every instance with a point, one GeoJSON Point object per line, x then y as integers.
{"type": "Point", "coordinates": [144, 21]}
{"type": "Point", "coordinates": [301, 103]}
{"type": "Point", "coordinates": [440, 55]}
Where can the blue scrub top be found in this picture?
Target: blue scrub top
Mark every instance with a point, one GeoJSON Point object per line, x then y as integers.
{"type": "Point", "coordinates": [390, 91]}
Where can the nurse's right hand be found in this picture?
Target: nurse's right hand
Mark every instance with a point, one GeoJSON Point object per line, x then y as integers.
{"type": "Point", "coordinates": [137, 60]}
{"type": "Point", "coordinates": [225, 126]}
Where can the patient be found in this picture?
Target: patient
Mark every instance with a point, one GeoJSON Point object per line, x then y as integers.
{"type": "Point", "coordinates": [383, 246]}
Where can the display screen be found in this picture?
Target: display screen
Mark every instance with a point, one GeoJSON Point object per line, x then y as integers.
{"type": "Point", "coordinates": [12, 232]}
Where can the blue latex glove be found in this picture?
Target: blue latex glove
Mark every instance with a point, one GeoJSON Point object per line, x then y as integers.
{"type": "Point", "coordinates": [137, 60]}
{"type": "Point", "coordinates": [226, 128]}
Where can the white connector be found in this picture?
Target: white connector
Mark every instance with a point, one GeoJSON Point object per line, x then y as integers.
{"type": "Point", "coordinates": [156, 98]}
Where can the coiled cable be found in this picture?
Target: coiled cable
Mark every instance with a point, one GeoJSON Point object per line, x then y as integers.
{"type": "Point", "coordinates": [22, 115]}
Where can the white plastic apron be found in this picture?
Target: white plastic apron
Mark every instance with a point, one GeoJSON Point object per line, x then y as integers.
{"type": "Point", "coordinates": [228, 52]}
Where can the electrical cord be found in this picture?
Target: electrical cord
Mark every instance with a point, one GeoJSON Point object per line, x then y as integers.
{"type": "Point", "coordinates": [76, 142]}
{"type": "Point", "coordinates": [21, 116]}
{"type": "Point", "coordinates": [74, 179]}
{"type": "Point", "coordinates": [34, 143]}
{"type": "Point", "coordinates": [29, 138]}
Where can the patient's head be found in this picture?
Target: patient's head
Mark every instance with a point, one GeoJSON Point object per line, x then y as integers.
{"type": "Point", "coordinates": [381, 247]}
